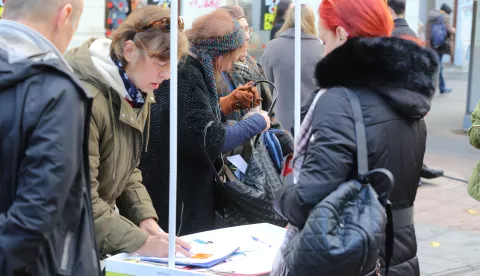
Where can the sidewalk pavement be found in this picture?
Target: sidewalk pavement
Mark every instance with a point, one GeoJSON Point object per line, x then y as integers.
{"type": "Point", "coordinates": [447, 219]}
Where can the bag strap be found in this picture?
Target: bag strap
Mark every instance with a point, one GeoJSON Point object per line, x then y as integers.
{"type": "Point", "coordinates": [362, 160]}
{"type": "Point", "coordinates": [205, 153]}
{"type": "Point", "coordinates": [361, 137]}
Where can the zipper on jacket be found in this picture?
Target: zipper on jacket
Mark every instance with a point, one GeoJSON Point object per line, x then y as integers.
{"type": "Point", "coordinates": [66, 251]}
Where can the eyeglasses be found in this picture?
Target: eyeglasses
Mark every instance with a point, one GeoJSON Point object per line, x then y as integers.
{"type": "Point", "coordinates": [249, 30]}
{"type": "Point", "coordinates": [163, 24]}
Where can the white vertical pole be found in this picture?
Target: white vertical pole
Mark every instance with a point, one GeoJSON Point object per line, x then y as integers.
{"type": "Point", "coordinates": [172, 211]}
{"type": "Point", "coordinates": [298, 65]}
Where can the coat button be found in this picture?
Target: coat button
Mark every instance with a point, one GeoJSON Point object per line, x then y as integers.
{"type": "Point", "coordinates": [123, 116]}
{"type": "Point", "coordinates": [151, 98]}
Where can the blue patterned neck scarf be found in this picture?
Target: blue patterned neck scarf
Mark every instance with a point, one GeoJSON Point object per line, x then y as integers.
{"type": "Point", "coordinates": [135, 97]}
{"type": "Point", "coordinates": [208, 49]}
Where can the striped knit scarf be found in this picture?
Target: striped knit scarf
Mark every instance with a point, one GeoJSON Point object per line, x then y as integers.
{"type": "Point", "coordinates": [209, 49]}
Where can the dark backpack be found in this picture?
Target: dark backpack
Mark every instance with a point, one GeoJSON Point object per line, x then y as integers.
{"type": "Point", "coordinates": [439, 32]}
{"type": "Point", "coordinates": [345, 233]}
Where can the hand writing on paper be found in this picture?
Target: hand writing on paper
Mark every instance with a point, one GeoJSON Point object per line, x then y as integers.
{"type": "Point", "coordinates": [157, 246]}
{"type": "Point", "coordinates": [150, 226]}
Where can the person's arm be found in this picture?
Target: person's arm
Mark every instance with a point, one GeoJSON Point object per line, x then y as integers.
{"type": "Point", "coordinates": [328, 161]}
{"type": "Point", "coordinates": [243, 131]}
{"type": "Point", "coordinates": [114, 232]}
{"type": "Point", "coordinates": [46, 172]}
{"type": "Point", "coordinates": [135, 203]}
{"type": "Point", "coordinates": [450, 29]}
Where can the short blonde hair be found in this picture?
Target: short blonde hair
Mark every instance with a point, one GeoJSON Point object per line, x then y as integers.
{"type": "Point", "coordinates": [154, 41]}
{"type": "Point", "coordinates": [308, 21]}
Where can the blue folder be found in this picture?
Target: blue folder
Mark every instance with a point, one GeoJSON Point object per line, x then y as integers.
{"type": "Point", "coordinates": [202, 265]}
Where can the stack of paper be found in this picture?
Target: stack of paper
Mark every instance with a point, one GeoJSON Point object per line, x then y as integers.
{"type": "Point", "coordinates": [204, 255]}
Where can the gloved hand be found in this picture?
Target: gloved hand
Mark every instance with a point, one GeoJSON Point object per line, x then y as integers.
{"type": "Point", "coordinates": [246, 94]}
{"type": "Point", "coordinates": [229, 103]}
{"type": "Point", "coordinates": [240, 98]}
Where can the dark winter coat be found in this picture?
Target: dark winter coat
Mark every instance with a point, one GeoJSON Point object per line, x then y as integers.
{"type": "Point", "coordinates": [46, 221]}
{"type": "Point", "coordinates": [195, 201]}
{"type": "Point", "coordinates": [402, 29]}
{"type": "Point", "coordinates": [394, 80]}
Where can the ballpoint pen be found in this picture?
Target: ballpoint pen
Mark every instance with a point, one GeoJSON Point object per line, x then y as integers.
{"type": "Point", "coordinates": [259, 240]}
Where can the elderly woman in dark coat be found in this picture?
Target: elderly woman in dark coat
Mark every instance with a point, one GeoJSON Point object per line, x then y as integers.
{"type": "Point", "coordinates": [217, 41]}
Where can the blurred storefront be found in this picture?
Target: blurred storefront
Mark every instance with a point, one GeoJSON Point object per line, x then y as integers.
{"type": "Point", "coordinates": [96, 21]}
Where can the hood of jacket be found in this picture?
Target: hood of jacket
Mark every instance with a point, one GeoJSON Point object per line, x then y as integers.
{"type": "Point", "coordinates": [433, 15]}
{"type": "Point", "coordinates": [24, 53]}
{"type": "Point", "coordinates": [290, 33]}
{"type": "Point", "coordinates": [91, 62]}
{"type": "Point", "coordinates": [402, 72]}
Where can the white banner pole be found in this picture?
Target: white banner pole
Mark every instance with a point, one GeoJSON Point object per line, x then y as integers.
{"type": "Point", "coordinates": [298, 65]}
{"type": "Point", "coordinates": [172, 215]}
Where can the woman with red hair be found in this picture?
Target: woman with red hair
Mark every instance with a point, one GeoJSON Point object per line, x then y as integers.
{"type": "Point", "coordinates": [394, 80]}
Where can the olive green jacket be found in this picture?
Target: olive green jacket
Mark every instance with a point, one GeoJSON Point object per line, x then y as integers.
{"type": "Point", "coordinates": [474, 133]}
{"type": "Point", "coordinates": [115, 144]}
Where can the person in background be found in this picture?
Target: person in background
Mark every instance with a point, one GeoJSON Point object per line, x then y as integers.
{"type": "Point", "coordinates": [46, 218]}
{"type": "Point", "coordinates": [397, 10]}
{"type": "Point", "coordinates": [395, 94]}
{"type": "Point", "coordinates": [217, 41]}
{"type": "Point", "coordinates": [474, 134]}
{"type": "Point", "coordinates": [121, 74]}
{"type": "Point", "coordinates": [447, 47]}
{"type": "Point", "coordinates": [278, 61]}
{"type": "Point", "coordinates": [282, 9]}
{"type": "Point", "coordinates": [246, 70]}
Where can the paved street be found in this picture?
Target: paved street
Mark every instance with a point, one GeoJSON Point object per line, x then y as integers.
{"type": "Point", "coordinates": [446, 217]}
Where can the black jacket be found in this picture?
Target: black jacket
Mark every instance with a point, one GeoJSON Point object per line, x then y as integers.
{"type": "Point", "coordinates": [402, 28]}
{"type": "Point", "coordinates": [195, 200]}
{"type": "Point", "coordinates": [46, 223]}
{"type": "Point", "coordinates": [394, 80]}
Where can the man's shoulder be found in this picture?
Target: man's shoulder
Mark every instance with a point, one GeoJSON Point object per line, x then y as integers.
{"type": "Point", "coordinates": [59, 78]}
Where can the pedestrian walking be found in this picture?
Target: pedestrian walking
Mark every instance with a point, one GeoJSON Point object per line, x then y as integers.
{"type": "Point", "coordinates": [121, 74]}
{"type": "Point", "coordinates": [46, 221]}
{"type": "Point", "coordinates": [278, 61]}
{"type": "Point", "coordinates": [217, 41]}
{"type": "Point", "coordinates": [439, 36]}
{"type": "Point", "coordinates": [394, 95]}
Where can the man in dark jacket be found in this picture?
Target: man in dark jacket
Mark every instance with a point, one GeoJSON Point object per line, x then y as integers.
{"type": "Point", "coordinates": [397, 9]}
{"type": "Point", "coordinates": [447, 47]}
{"type": "Point", "coordinates": [46, 224]}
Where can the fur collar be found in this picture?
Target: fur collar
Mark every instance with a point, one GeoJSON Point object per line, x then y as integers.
{"type": "Point", "coordinates": [380, 62]}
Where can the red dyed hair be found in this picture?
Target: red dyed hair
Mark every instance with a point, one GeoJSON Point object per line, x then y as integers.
{"type": "Point", "coordinates": [360, 18]}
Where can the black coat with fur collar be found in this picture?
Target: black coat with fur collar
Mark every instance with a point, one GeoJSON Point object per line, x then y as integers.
{"type": "Point", "coordinates": [394, 80]}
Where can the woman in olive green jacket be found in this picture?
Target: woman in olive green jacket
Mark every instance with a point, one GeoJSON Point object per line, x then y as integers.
{"type": "Point", "coordinates": [121, 74]}
{"type": "Point", "coordinates": [474, 133]}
